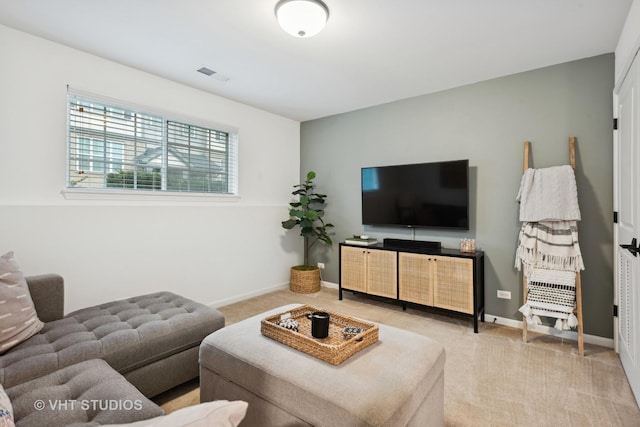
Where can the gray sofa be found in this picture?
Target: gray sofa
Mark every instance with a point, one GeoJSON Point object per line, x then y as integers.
{"type": "Point", "coordinates": [100, 365]}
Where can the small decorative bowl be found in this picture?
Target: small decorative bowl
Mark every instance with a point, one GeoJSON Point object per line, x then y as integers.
{"type": "Point", "coordinates": [350, 331]}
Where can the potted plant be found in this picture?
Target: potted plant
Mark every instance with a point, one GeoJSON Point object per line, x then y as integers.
{"type": "Point", "coordinates": [307, 212]}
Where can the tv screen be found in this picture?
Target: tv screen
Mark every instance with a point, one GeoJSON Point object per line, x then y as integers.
{"type": "Point", "coordinates": [429, 195]}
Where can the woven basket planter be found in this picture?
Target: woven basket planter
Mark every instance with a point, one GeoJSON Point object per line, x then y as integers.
{"type": "Point", "coordinates": [304, 281]}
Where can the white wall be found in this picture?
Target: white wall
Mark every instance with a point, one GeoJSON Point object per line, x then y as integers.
{"type": "Point", "coordinates": [629, 42]}
{"type": "Point", "coordinates": [214, 251]}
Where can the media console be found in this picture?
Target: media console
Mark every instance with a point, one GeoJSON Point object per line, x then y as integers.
{"type": "Point", "coordinates": [416, 272]}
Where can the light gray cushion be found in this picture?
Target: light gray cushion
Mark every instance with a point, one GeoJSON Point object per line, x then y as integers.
{"type": "Point", "coordinates": [85, 394]}
{"type": "Point", "coordinates": [18, 317]}
{"type": "Point", "coordinates": [128, 334]}
{"type": "Point", "coordinates": [386, 384]}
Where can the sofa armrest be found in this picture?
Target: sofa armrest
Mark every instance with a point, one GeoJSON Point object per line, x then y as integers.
{"type": "Point", "coordinates": [47, 293]}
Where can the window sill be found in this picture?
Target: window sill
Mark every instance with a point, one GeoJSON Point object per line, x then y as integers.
{"type": "Point", "coordinates": [145, 196]}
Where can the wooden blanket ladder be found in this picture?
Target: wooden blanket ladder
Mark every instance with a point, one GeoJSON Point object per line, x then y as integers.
{"type": "Point", "coordinates": [578, 309]}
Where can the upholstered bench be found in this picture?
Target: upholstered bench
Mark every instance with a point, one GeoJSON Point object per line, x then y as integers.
{"type": "Point", "coordinates": [397, 381]}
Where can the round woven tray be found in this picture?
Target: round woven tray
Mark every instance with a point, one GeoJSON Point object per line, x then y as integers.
{"type": "Point", "coordinates": [304, 281]}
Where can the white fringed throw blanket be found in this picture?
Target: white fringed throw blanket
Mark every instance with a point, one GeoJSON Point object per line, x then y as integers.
{"type": "Point", "coordinates": [551, 293]}
{"type": "Point", "coordinates": [549, 194]}
{"type": "Point", "coordinates": [550, 244]}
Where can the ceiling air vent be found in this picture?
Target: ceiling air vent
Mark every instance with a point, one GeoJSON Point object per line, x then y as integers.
{"type": "Point", "coordinates": [206, 71]}
{"type": "Point", "coordinates": [209, 72]}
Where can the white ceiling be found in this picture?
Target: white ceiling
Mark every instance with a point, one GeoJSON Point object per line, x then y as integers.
{"type": "Point", "coordinates": [371, 51]}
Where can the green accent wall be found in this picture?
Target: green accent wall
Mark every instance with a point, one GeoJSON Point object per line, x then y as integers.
{"type": "Point", "coordinates": [487, 123]}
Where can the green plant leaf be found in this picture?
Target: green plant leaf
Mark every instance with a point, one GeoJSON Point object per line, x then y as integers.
{"type": "Point", "coordinates": [326, 240]}
{"type": "Point", "coordinates": [311, 175]}
{"type": "Point", "coordinates": [296, 213]}
{"type": "Point", "coordinates": [289, 224]}
{"type": "Point", "coordinates": [311, 215]}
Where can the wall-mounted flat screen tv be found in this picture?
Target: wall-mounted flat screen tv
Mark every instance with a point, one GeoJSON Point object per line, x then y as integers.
{"type": "Point", "coordinates": [429, 195]}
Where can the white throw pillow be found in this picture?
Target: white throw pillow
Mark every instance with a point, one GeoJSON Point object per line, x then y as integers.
{"type": "Point", "coordinates": [219, 413]}
{"type": "Point", "coordinates": [18, 317]}
{"type": "Point", "coordinates": [6, 410]}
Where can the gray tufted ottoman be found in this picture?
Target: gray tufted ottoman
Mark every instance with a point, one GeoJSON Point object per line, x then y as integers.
{"type": "Point", "coordinates": [152, 340]}
{"type": "Point", "coordinates": [88, 393]}
{"type": "Point", "coordinates": [395, 382]}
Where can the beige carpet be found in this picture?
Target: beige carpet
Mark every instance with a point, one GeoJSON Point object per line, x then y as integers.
{"type": "Point", "coordinates": [491, 378]}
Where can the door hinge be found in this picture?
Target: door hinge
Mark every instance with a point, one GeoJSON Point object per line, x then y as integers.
{"type": "Point", "coordinates": [615, 217]}
{"type": "Point", "coordinates": [615, 310]}
{"type": "Point", "coordinates": [615, 124]}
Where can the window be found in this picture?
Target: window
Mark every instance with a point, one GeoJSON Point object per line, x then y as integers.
{"type": "Point", "coordinates": [115, 147]}
{"type": "Point", "coordinates": [93, 158]}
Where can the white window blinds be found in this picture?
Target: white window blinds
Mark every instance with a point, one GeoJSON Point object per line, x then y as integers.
{"type": "Point", "coordinates": [115, 147]}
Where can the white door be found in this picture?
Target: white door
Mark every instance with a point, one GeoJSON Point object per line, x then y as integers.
{"type": "Point", "coordinates": [627, 229]}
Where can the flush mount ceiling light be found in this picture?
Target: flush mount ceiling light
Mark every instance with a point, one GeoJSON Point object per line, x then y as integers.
{"type": "Point", "coordinates": [302, 18]}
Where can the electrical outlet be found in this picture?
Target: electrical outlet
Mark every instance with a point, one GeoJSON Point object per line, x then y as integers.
{"type": "Point", "coordinates": [504, 294]}
{"type": "Point", "coordinates": [321, 265]}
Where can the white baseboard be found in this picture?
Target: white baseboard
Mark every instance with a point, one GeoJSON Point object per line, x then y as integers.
{"type": "Point", "coordinates": [256, 293]}
{"type": "Point", "coordinates": [329, 285]}
{"type": "Point", "coordinates": [548, 330]}
{"type": "Point", "coordinates": [241, 297]}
